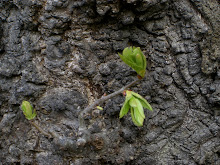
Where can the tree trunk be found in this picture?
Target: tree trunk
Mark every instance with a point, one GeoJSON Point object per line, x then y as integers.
{"type": "Point", "coordinates": [61, 55]}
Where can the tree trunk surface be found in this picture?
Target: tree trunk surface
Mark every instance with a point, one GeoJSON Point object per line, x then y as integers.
{"type": "Point", "coordinates": [61, 55]}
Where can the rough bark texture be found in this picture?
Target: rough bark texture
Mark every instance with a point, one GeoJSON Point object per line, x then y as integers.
{"type": "Point", "coordinates": [61, 55]}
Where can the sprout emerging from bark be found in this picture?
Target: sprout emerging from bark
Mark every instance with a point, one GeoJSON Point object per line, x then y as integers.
{"type": "Point", "coordinates": [28, 110]}
{"type": "Point", "coordinates": [134, 58]}
{"type": "Point", "coordinates": [136, 104]}
{"type": "Point", "coordinates": [30, 114]}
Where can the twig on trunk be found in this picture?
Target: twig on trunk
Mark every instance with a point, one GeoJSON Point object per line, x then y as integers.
{"type": "Point", "coordinates": [41, 130]}
{"type": "Point", "coordinates": [89, 108]}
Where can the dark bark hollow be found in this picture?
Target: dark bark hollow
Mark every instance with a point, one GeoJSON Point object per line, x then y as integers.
{"type": "Point", "coordinates": [61, 55]}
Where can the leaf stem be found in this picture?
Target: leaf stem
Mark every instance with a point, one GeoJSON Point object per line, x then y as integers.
{"type": "Point", "coordinates": [40, 129]}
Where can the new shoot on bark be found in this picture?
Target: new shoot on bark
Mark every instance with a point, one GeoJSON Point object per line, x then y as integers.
{"type": "Point", "coordinates": [134, 102]}
{"type": "Point", "coordinates": [30, 113]}
{"type": "Point", "coordinates": [28, 110]}
{"type": "Point", "coordinates": [133, 57]}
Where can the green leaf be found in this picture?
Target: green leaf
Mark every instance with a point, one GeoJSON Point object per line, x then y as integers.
{"type": "Point", "coordinates": [139, 119]}
{"type": "Point", "coordinates": [146, 105]}
{"type": "Point", "coordinates": [32, 116]}
{"type": "Point", "coordinates": [28, 110]}
{"type": "Point", "coordinates": [125, 108]}
{"type": "Point", "coordinates": [140, 108]}
{"type": "Point", "coordinates": [139, 60]}
{"type": "Point", "coordinates": [130, 62]}
{"type": "Point", "coordinates": [133, 118]}
{"type": "Point", "coordinates": [127, 51]}
{"type": "Point", "coordinates": [145, 61]}
{"type": "Point", "coordinates": [136, 50]}
{"type": "Point", "coordinates": [134, 58]}
{"type": "Point", "coordinates": [143, 101]}
{"type": "Point", "coordinates": [132, 102]}
{"type": "Point", "coordinates": [136, 104]}
{"type": "Point", "coordinates": [99, 108]}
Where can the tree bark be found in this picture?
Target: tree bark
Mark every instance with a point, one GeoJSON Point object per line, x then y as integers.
{"type": "Point", "coordinates": [61, 55]}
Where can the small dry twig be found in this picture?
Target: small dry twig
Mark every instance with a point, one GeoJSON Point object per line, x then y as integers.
{"type": "Point", "coordinates": [40, 129]}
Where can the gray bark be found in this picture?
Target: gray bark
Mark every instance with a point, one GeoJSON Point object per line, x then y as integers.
{"type": "Point", "coordinates": [61, 55]}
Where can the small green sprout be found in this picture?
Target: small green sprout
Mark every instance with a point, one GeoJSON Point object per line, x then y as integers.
{"type": "Point", "coordinates": [134, 58]}
{"type": "Point", "coordinates": [28, 110]}
{"type": "Point", "coordinates": [99, 108]}
{"type": "Point", "coordinates": [135, 103]}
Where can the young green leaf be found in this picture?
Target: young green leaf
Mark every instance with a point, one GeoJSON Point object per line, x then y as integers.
{"type": "Point", "coordinates": [134, 119]}
{"type": "Point", "coordinates": [139, 60]}
{"type": "Point", "coordinates": [140, 108]}
{"type": "Point", "coordinates": [146, 105]}
{"type": "Point", "coordinates": [136, 104]}
{"type": "Point", "coordinates": [132, 102]}
{"type": "Point", "coordinates": [138, 117]}
{"type": "Point", "coordinates": [28, 110]}
{"type": "Point", "coordinates": [99, 108]}
{"type": "Point", "coordinates": [134, 58]}
{"type": "Point", "coordinates": [127, 51]}
{"type": "Point", "coordinates": [143, 101]}
{"type": "Point", "coordinates": [125, 108]}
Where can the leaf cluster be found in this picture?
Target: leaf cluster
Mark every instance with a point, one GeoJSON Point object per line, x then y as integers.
{"type": "Point", "coordinates": [136, 104]}
{"type": "Point", "coordinates": [134, 58]}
